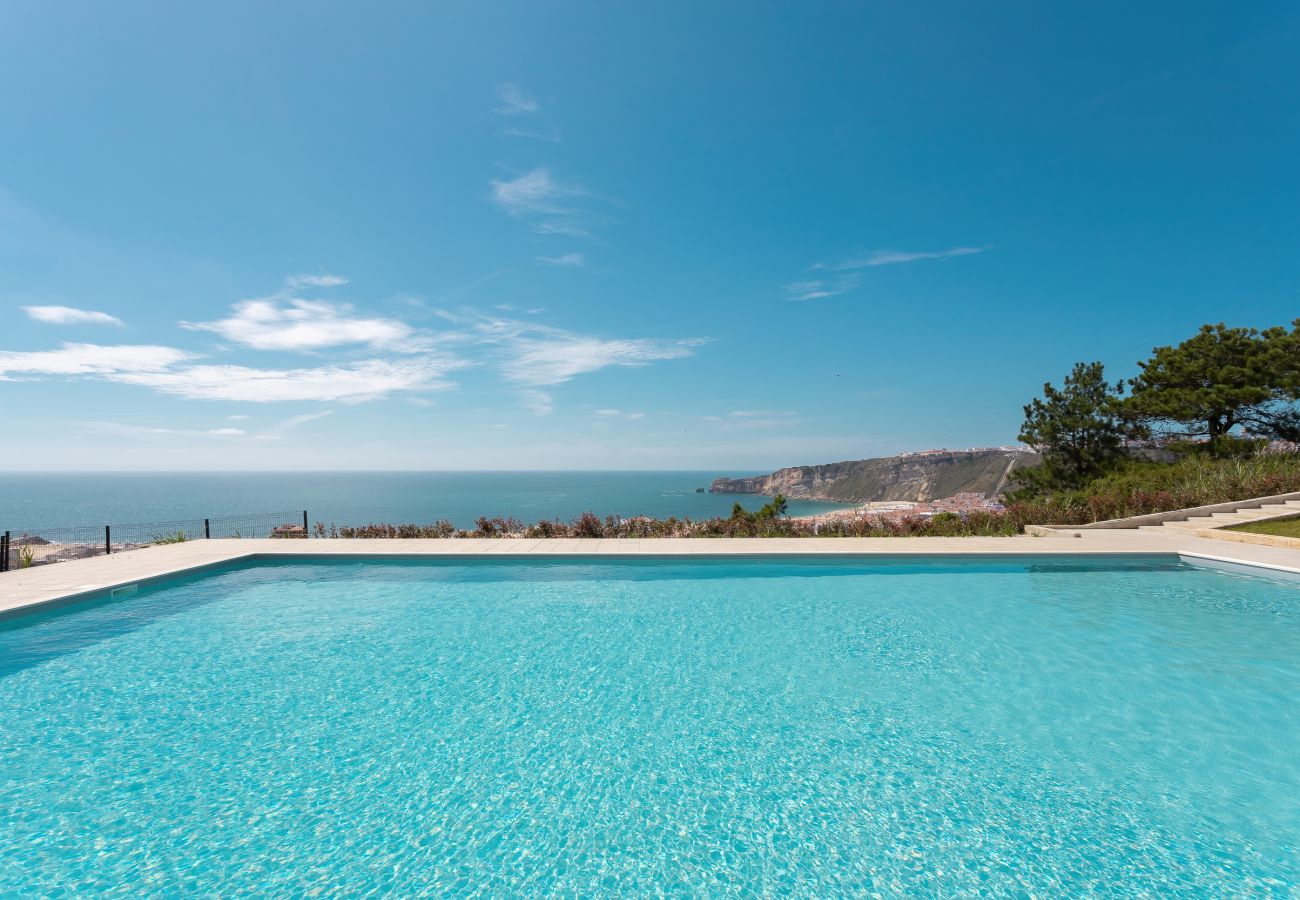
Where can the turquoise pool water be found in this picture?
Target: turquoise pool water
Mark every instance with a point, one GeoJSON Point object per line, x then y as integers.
{"type": "Point", "coordinates": [684, 728]}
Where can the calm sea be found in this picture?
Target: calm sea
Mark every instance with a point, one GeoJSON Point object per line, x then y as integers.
{"type": "Point", "coordinates": [44, 500]}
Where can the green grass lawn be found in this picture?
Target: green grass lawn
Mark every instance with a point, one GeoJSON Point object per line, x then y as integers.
{"type": "Point", "coordinates": [1279, 527]}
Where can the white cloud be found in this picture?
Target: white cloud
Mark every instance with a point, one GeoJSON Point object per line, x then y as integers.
{"type": "Point", "coordinates": [551, 136]}
{"type": "Point", "coordinates": [302, 325]}
{"type": "Point", "coordinates": [556, 356]}
{"type": "Point", "coordinates": [514, 100]}
{"type": "Point", "coordinates": [90, 359]}
{"type": "Point", "coordinates": [894, 257]}
{"type": "Point", "coordinates": [533, 356]}
{"type": "Point", "coordinates": [328, 281]}
{"type": "Point", "coordinates": [817, 289]}
{"type": "Point", "coordinates": [539, 402]}
{"type": "Point", "coordinates": [547, 203]}
{"type": "Point", "coordinates": [351, 383]}
{"type": "Point", "coordinates": [532, 193]}
{"type": "Point", "coordinates": [67, 315]}
{"type": "Point", "coordinates": [568, 259]}
{"type": "Point", "coordinates": [295, 421]}
{"type": "Point", "coordinates": [618, 413]}
{"type": "Point", "coordinates": [145, 431]}
{"type": "Point", "coordinates": [571, 227]}
{"type": "Point", "coordinates": [753, 419]}
{"type": "Point", "coordinates": [529, 357]}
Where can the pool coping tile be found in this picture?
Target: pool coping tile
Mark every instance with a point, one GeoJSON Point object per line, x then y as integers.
{"type": "Point", "coordinates": [25, 589]}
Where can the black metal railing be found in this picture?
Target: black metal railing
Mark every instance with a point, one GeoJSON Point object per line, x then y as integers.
{"type": "Point", "coordinates": [24, 547]}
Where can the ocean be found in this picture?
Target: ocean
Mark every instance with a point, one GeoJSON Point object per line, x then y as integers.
{"type": "Point", "coordinates": [32, 501]}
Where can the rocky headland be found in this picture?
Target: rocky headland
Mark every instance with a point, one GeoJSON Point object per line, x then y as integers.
{"type": "Point", "coordinates": [915, 477]}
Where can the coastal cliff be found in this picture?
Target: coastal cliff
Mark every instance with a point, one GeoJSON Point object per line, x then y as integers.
{"type": "Point", "coordinates": [913, 476]}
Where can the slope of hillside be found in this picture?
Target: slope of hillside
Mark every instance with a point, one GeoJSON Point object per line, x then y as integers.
{"type": "Point", "coordinates": [919, 477]}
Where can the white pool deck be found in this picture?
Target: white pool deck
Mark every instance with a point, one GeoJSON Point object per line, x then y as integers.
{"type": "Point", "coordinates": [28, 588]}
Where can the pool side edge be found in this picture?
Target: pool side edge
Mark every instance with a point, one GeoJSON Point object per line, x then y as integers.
{"type": "Point", "coordinates": [62, 583]}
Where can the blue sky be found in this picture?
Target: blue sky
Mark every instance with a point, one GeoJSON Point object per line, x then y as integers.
{"type": "Point", "coordinates": [581, 235]}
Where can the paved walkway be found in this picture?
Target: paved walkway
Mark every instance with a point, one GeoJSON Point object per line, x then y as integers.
{"type": "Point", "coordinates": [41, 584]}
{"type": "Point", "coordinates": [1240, 516]}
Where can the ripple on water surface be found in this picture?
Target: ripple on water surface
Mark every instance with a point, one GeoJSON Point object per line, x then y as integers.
{"type": "Point", "coordinates": [637, 728]}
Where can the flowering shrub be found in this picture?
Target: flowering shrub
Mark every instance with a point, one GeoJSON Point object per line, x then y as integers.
{"type": "Point", "coordinates": [589, 525]}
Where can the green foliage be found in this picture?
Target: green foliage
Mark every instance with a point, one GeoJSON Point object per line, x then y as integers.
{"type": "Point", "coordinates": [1289, 528]}
{"type": "Point", "coordinates": [175, 537]}
{"type": "Point", "coordinates": [1137, 488]}
{"type": "Point", "coordinates": [1077, 429]}
{"type": "Point", "coordinates": [25, 556]}
{"type": "Point", "coordinates": [1220, 379]}
{"type": "Point", "coordinates": [774, 509]}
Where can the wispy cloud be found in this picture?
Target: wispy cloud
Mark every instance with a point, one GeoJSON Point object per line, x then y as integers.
{"type": "Point", "coordinates": [351, 383]}
{"type": "Point", "coordinates": [299, 324]}
{"type": "Point", "coordinates": [556, 357]}
{"type": "Point", "coordinates": [522, 115]}
{"type": "Point", "coordinates": [67, 315]}
{"type": "Point", "coordinates": [533, 193]}
{"type": "Point", "coordinates": [532, 356]}
{"type": "Point", "coordinates": [294, 421]}
{"type": "Point", "coordinates": [549, 205]}
{"type": "Point", "coordinates": [568, 259]}
{"type": "Point", "coordinates": [748, 419]}
{"type": "Point", "coordinates": [539, 403]}
{"type": "Point", "coordinates": [818, 288]}
{"type": "Point", "coordinates": [551, 135]}
{"type": "Point", "coordinates": [514, 100]}
{"type": "Point", "coordinates": [324, 281]}
{"type": "Point", "coordinates": [143, 431]}
{"type": "Point", "coordinates": [162, 369]}
{"type": "Point", "coordinates": [895, 257]}
{"type": "Point", "coordinates": [89, 359]}
{"type": "Point", "coordinates": [618, 413]}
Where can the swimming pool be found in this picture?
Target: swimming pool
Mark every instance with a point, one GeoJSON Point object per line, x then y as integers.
{"type": "Point", "coordinates": [687, 727]}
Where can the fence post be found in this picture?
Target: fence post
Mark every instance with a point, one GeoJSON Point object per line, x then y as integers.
{"type": "Point", "coordinates": [304, 523]}
{"type": "Point", "coordinates": [108, 541]}
{"type": "Point", "coordinates": [207, 530]}
{"type": "Point", "coordinates": [4, 552]}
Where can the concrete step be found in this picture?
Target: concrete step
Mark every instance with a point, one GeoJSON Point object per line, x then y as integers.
{"type": "Point", "coordinates": [1254, 515]}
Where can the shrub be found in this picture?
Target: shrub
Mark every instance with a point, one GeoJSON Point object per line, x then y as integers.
{"type": "Point", "coordinates": [588, 525]}
{"type": "Point", "coordinates": [1139, 488]}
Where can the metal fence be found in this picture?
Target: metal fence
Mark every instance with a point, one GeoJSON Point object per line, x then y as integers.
{"type": "Point", "coordinates": [23, 547]}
